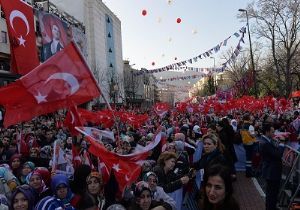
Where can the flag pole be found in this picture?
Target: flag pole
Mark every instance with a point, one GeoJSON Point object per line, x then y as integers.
{"type": "Point", "coordinates": [92, 75]}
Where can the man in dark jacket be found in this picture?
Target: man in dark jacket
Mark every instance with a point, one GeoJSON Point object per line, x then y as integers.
{"type": "Point", "coordinates": [271, 154]}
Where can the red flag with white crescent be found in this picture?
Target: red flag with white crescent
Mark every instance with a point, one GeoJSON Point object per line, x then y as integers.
{"type": "Point", "coordinates": [20, 25]}
{"type": "Point", "coordinates": [62, 81]}
{"type": "Point", "coordinates": [161, 108]}
{"type": "Point", "coordinates": [126, 168]}
{"type": "Point", "coordinates": [72, 120]}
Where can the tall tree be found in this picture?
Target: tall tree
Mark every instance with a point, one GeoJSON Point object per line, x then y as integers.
{"type": "Point", "coordinates": [278, 25]}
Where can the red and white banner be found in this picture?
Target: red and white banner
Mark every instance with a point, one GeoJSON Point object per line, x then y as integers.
{"type": "Point", "coordinates": [20, 25]}
{"type": "Point", "coordinates": [62, 81]}
{"type": "Point", "coordinates": [126, 168]}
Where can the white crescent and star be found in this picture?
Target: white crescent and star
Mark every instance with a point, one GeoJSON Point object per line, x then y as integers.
{"type": "Point", "coordinates": [159, 108]}
{"type": "Point", "coordinates": [67, 77]}
{"type": "Point", "coordinates": [116, 167]}
{"type": "Point", "coordinates": [17, 14]}
{"type": "Point", "coordinates": [40, 98]}
{"type": "Point", "coordinates": [131, 119]}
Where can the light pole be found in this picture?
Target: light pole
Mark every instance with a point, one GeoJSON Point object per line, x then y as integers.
{"type": "Point", "coordinates": [214, 80]}
{"type": "Point", "coordinates": [251, 52]}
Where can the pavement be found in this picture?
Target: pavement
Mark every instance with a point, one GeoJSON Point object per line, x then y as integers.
{"type": "Point", "coordinates": [248, 193]}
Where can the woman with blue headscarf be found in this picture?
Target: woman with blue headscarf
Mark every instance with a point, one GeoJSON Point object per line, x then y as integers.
{"type": "Point", "coordinates": [35, 180]}
{"type": "Point", "coordinates": [62, 195]}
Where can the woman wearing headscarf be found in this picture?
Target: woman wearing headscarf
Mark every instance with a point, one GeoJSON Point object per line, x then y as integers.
{"type": "Point", "coordinates": [62, 195]}
{"type": "Point", "coordinates": [15, 164]}
{"type": "Point", "coordinates": [143, 199]}
{"type": "Point", "coordinates": [95, 187]}
{"type": "Point", "coordinates": [27, 168]}
{"type": "Point", "coordinates": [22, 198]}
{"type": "Point", "coordinates": [35, 180]}
{"type": "Point", "coordinates": [8, 182]}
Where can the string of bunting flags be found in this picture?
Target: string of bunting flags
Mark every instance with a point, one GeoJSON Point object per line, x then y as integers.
{"type": "Point", "coordinates": [207, 71]}
{"type": "Point", "coordinates": [181, 78]}
{"type": "Point", "coordinates": [206, 54]}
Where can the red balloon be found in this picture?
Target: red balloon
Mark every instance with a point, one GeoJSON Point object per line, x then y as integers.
{"type": "Point", "coordinates": [178, 20]}
{"type": "Point", "coordinates": [144, 12]}
{"type": "Point", "coordinates": [153, 63]}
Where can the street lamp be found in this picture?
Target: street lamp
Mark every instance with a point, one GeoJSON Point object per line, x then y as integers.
{"type": "Point", "coordinates": [214, 80]}
{"type": "Point", "coordinates": [214, 62]}
{"type": "Point", "coordinates": [251, 52]}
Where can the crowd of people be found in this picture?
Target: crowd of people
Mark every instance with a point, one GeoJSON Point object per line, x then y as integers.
{"type": "Point", "coordinates": [193, 166]}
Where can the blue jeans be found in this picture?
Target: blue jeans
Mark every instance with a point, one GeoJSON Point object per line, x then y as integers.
{"type": "Point", "coordinates": [249, 149]}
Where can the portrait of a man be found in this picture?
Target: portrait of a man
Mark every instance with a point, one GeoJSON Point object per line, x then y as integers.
{"type": "Point", "coordinates": [54, 45]}
{"type": "Point", "coordinates": [54, 34]}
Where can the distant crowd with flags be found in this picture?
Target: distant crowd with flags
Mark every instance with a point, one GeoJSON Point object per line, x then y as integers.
{"type": "Point", "coordinates": [81, 159]}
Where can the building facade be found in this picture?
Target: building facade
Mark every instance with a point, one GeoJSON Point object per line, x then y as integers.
{"type": "Point", "coordinates": [166, 95]}
{"type": "Point", "coordinates": [103, 32]}
{"type": "Point", "coordinates": [139, 89]}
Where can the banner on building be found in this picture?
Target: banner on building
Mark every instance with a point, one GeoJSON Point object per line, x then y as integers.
{"type": "Point", "coordinates": [55, 34]}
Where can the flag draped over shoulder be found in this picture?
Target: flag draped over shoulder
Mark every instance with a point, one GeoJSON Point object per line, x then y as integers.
{"type": "Point", "coordinates": [62, 81]}
{"type": "Point", "coordinates": [20, 25]}
{"type": "Point", "coordinates": [126, 168]}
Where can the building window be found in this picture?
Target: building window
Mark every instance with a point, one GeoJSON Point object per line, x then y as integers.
{"type": "Point", "coordinates": [3, 37]}
{"type": "Point", "coordinates": [4, 65]}
{"type": "Point", "coordinates": [2, 14]}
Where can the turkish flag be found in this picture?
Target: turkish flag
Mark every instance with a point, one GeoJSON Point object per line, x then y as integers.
{"type": "Point", "coordinates": [20, 24]}
{"type": "Point", "coordinates": [72, 120]}
{"type": "Point", "coordinates": [131, 118]}
{"type": "Point", "coordinates": [62, 81]}
{"type": "Point", "coordinates": [126, 169]}
{"type": "Point", "coordinates": [181, 106]}
{"type": "Point", "coordinates": [104, 117]}
{"type": "Point", "coordinates": [161, 108]}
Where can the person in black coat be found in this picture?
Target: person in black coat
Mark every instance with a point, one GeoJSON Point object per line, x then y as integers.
{"type": "Point", "coordinates": [167, 179]}
{"type": "Point", "coordinates": [271, 164]}
{"type": "Point", "coordinates": [226, 134]}
{"type": "Point", "coordinates": [212, 153]}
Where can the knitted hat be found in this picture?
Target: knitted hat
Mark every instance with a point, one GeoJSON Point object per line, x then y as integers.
{"type": "Point", "coordinates": [150, 173]}
{"type": "Point", "coordinates": [95, 174]}
{"type": "Point", "coordinates": [140, 188]}
{"type": "Point", "coordinates": [29, 164]}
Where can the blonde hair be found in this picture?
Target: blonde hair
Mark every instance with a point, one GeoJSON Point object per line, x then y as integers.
{"type": "Point", "coordinates": [216, 141]}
